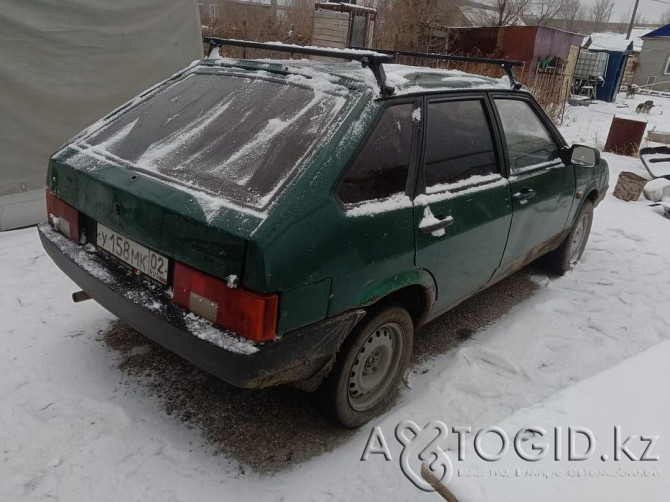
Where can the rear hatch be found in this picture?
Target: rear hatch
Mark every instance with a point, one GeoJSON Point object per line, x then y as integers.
{"type": "Point", "coordinates": [188, 171]}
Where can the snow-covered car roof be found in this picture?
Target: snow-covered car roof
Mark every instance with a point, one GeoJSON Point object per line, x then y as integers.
{"type": "Point", "coordinates": [327, 76]}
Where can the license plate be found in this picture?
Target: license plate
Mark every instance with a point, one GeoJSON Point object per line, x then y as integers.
{"type": "Point", "coordinates": [137, 256]}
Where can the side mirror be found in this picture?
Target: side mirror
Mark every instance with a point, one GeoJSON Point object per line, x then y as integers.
{"type": "Point", "coordinates": [584, 156]}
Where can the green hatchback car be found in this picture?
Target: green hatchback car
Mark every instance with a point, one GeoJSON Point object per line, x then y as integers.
{"type": "Point", "coordinates": [296, 221]}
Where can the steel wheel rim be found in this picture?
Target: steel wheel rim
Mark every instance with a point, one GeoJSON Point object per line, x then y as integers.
{"type": "Point", "coordinates": [578, 239]}
{"type": "Point", "coordinates": [375, 366]}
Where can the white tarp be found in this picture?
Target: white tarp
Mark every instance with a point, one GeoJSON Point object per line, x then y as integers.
{"type": "Point", "coordinates": [66, 63]}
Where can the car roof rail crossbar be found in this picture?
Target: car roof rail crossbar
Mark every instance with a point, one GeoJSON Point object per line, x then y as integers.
{"type": "Point", "coordinates": [368, 58]}
{"type": "Point", "coordinates": [508, 66]}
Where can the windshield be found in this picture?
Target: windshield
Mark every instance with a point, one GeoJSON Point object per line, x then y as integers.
{"type": "Point", "coordinates": [231, 135]}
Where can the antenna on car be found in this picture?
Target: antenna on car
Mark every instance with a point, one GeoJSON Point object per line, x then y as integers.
{"type": "Point", "coordinates": [368, 58]}
{"type": "Point", "coordinates": [506, 65]}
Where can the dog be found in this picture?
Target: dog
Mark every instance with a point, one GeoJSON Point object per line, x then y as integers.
{"type": "Point", "coordinates": [631, 91]}
{"type": "Point", "coordinates": [645, 107]}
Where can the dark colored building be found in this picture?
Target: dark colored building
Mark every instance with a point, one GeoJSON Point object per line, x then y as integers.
{"type": "Point", "coordinates": [534, 45]}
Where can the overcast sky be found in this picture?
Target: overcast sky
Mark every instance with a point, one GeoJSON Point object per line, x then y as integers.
{"type": "Point", "coordinates": [650, 10]}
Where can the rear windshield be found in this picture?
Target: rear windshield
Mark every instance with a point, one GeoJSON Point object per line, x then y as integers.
{"type": "Point", "coordinates": [231, 135]}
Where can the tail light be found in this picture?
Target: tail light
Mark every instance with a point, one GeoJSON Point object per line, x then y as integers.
{"type": "Point", "coordinates": [252, 315]}
{"type": "Point", "coordinates": [63, 217]}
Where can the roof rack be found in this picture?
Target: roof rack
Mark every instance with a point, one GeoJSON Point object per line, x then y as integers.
{"type": "Point", "coordinates": [368, 58]}
{"type": "Point", "coordinates": [508, 66]}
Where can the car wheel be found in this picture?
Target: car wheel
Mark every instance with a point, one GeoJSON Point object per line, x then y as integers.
{"type": "Point", "coordinates": [570, 251]}
{"type": "Point", "coordinates": [368, 368]}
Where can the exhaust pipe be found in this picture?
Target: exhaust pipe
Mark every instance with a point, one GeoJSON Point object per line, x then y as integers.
{"type": "Point", "coordinates": [80, 296]}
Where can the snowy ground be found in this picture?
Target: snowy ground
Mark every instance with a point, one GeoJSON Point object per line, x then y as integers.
{"type": "Point", "coordinates": [589, 349]}
{"type": "Point", "coordinates": [590, 125]}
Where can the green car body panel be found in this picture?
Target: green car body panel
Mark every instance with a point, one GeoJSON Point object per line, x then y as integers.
{"type": "Point", "coordinates": [308, 247]}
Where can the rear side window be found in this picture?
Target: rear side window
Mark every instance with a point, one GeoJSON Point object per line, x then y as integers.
{"type": "Point", "coordinates": [529, 144]}
{"type": "Point", "coordinates": [231, 135]}
{"type": "Point", "coordinates": [380, 169]}
{"type": "Point", "coordinates": [459, 144]}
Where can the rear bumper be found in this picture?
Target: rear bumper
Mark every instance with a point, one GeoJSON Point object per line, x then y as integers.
{"type": "Point", "coordinates": [296, 356]}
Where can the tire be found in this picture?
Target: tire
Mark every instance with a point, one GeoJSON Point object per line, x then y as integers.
{"type": "Point", "coordinates": [368, 368]}
{"type": "Point", "coordinates": [571, 249]}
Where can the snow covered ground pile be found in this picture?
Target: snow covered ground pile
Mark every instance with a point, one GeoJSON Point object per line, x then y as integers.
{"type": "Point", "coordinates": [589, 350]}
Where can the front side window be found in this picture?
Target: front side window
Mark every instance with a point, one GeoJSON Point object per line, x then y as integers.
{"type": "Point", "coordinates": [381, 167]}
{"type": "Point", "coordinates": [529, 144]}
{"type": "Point", "coordinates": [459, 144]}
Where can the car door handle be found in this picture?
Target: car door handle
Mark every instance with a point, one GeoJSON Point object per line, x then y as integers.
{"type": "Point", "coordinates": [524, 195]}
{"type": "Point", "coordinates": [438, 225]}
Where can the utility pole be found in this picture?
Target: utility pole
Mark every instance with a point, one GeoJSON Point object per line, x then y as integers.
{"type": "Point", "coordinates": [632, 19]}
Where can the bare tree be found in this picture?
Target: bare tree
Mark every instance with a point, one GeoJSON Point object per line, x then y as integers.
{"type": "Point", "coordinates": [406, 24]}
{"type": "Point", "coordinates": [546, 10]}
{"type": "Point", "coordinates": [300, 17]}
{"type": "Point", "coordinates": [601, 11]}
{"type": "Point", "coordinates": [571, 13]}
{"type": "Point", "coordinates": [507, 12]}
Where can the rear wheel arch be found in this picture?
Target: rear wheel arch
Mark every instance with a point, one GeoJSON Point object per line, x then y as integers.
{"type": "Point", "coordinates": [417, 299]}
{"type": "Point", "coordinates": [368, 368]}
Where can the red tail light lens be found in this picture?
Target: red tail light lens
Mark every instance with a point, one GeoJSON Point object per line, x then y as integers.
{"type": "Point", "coordinates": [63, 217]}
{"type": "Point", "coordinates": [252, 315]}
